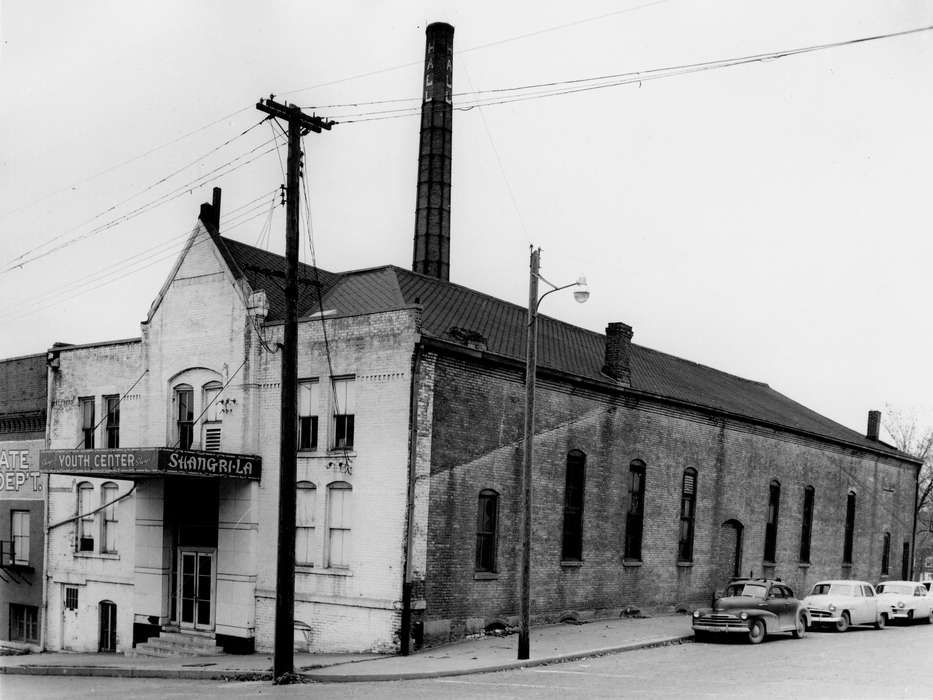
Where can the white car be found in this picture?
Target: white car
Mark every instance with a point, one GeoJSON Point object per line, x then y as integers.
{"type": "Point", "coordinates": [845, 602]}
{"type": "Point", "coordinates": [908, 600]}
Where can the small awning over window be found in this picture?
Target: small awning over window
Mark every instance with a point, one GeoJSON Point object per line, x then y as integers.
{"type": "Point", "coordinates": [150, 462]}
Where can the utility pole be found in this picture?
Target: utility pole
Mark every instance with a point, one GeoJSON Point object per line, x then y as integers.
{"type": "Point", "coordinates": [284, 651]}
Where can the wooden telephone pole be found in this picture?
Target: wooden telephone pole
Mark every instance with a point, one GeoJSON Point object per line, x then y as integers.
{"type": "Point", "coordinates": [284, 653]}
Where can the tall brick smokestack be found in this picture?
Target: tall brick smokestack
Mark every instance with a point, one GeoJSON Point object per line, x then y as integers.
{"type": "Point", "coordinates": [432, 212]}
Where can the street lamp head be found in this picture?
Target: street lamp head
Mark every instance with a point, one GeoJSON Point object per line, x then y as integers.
{"type": "Point", "coordinates": [582, 292]}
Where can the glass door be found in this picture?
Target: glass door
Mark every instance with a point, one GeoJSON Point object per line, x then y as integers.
{"type": "Point", "coordinates": [196, 589]}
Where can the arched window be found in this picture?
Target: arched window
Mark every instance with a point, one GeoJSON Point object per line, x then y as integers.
{"type": "Point", "coordinates": [886, 554]}
{"type": "Point", "coordinates": [339, 518]}
{"type": "Point", "coordinates": [850, 529]}
{"type": "Point", "coordinates": [771, 525]}
{"type": "Point", "coordinates": [688, 503]}
{"type": "Point", "coordinates": [634, 518]}
{"type": "Point", "coordinates": [572, 542]}
{"type": "Point", "coordinates": [184, 416]}
{"type": "Point", "coordinates": [85, 522]}
{"type": "Point", "coordinates": [108, 522]}
{"type": "Point", "coordinates": [487, 524]}
{"type": "Point", "coordinates": [806, 524]}
{"type": "Point", "coordinates": [305, 505]}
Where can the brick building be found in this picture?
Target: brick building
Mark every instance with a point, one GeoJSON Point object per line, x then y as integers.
{"type": "Point", "coordinates": [22, 499]}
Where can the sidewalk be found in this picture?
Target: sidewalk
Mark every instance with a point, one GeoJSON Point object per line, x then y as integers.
{"type": "Point", "coordinates": [549, 644]}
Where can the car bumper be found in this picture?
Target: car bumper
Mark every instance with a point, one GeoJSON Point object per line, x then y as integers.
{"type": "Point", "coordinates": [902, 614]}
{"type": "Point", "coordinates": [824, 617]}
{"type": "Point", "coordinates": [739, 626]}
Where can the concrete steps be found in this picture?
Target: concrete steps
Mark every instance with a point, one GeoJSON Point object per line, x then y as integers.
{"type": "Point", "coordinates": [177, 644]}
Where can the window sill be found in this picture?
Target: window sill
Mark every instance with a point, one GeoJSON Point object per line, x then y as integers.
{"type": "Point", "coordinates": [316, 571]}
{"type": "Point", "coordinates": [571, 563]}
{"type": "Point", "coordinates": [803, 565]}
{"type": "Point", "coordinates": [631, 562]}
{"type": "Point", "coordinates": [485, 575]}
{"type": "Point", "coordinates": [685, 564]}
{"type": "Point", "coordinates": [97, 555]}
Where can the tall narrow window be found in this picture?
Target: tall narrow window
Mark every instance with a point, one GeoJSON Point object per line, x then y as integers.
{"type": "Point", "coordinates": [86, 405]}
{"type": "Point", "coordinates": [806, 524]}
{"type": "Point", "coordinates": [213, 417]}
{"type": "Point", "coordinates": [886, 554]}
{"type": "Point", "coordinates": [572, 542]}
{"type": "Point", "coordinates": [344, 412]}
{"type": "Point", "coordinates": [905, 561]}
{"type": "Point", "coordinates": [850, 529]}
{"type": "Point", "coordinates": [308, 402]}
{"type": "Point", "coordinates": [305, 500]}
{"type": "Point", "coordinates": [19, 526]}
{"type": "Point", "coordinates": [771, 526]}
{"type": "Point", "coordinates": [112, 404]}
{"type": "Point", "coordinates": [85, 539]}
{"type": "Point", "coordinates": [688, 505]}
{"type": "Point", "coordinates": [338, 524]}
{"type": "Point", "coordinates": [184, 417]}
{"type": "Point", "coordinates": [108, 523]}
{"type": "Point", "coordinates": [487, 521]}
{"type": "Point", "coordinates": [634, 519]}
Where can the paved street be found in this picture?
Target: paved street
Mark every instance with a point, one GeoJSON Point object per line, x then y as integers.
{"type": "Point", "coordinates": [861, 663]}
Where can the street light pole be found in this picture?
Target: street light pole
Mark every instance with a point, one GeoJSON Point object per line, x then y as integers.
{"type": "Point", "coordinates": [531, 363]}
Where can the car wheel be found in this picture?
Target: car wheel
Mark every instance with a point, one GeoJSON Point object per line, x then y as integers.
{"type": "Point", "coordinates": [842, 624]}
{"type": "Point", "coordinates": [800, 630]}
{"type": "Point", "coordinates": [756, 632]}
{"type": "Point", "coordinates": [881, 621]}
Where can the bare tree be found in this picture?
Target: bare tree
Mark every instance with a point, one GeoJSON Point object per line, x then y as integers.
{"type": "Point", "coordinates": [910, 435]}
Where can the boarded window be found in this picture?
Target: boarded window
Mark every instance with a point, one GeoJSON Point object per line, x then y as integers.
{"type": "Point", "coordinates": [305, 504]}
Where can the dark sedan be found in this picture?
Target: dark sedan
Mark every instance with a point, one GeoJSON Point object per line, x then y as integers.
{"type": "Point", "coordinates": [754, 608]}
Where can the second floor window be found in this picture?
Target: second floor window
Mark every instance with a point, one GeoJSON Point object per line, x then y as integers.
{"type": "Point", "coordinates": [305, 501]}
{"type": "Point", "coordinates": [184, 417]}
{"type": "Point", "coordinates": [112, 404]}
{"type": "Point", "coordinates": [344, 412]}
{"type": "Point", "coordinates": [19, 527]}
{"type": "Point", "coordinates": [572, 541]}
{"type": "Point", "coordinates": [339, 494]}
{"type": "Point", "coordinates": [211, 428]}
{"type": "Point", "coordinates": [309, 398]}
{"type": "Point", "coordinates": [85, 538]}
{"type": "Point", "coordinates": [771, 526]}
{"type": "Point", "coordinates": [86, 405]}
{"type": "Point", "coordinates": [108, 523]}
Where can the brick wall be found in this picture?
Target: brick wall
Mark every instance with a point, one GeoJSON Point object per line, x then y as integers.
{"type": "Point", "coordinates": [476, 444]}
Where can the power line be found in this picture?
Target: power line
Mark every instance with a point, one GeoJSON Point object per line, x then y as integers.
{"type": "Point", "coordinates": [535, 91]}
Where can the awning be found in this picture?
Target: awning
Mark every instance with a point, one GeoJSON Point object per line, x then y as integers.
{"type": "Point", "coordinates": [150, 462]}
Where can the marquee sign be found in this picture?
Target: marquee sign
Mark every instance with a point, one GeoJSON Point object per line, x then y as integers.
{"type": "Point", "coordinates": [150, 462]}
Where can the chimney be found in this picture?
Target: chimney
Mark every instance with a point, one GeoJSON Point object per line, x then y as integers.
{"type": "Point", "coordinates": [432, 208]}
{"type": "Point", "coordinates": [618, 353]}
{"type": "Point", "coordinates": [874, 425]}
{"type": "Point", "coordinates": [210, 214]}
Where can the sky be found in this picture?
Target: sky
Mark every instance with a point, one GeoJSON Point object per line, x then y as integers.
{"type": "Point", "coordinates": [769, 219]}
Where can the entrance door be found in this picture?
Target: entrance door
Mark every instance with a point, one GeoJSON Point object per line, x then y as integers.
{"type": "Point", "coordinates": [107, 638]}
{"type": "Point", "coordinates": [730, 551]}
{"type": "Point", "coordinates": [196, 589]}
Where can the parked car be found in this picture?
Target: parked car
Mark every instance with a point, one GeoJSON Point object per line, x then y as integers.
{"type": "Point", "coordinates": [755, 608]}
{"type": "Point", "coordinates": [845, 602]}
{"type": "Point", "coordinates": [909, 600]}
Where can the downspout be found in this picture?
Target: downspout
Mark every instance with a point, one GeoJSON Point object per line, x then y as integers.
{"type": "Point", "coordinates": [405, 632]}
{"type": "Point", "coordinates": [913, 531]}
{"type": "Point", "coordinates": [43, 627]}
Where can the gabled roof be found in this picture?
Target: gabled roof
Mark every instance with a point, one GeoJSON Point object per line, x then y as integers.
{"type": "Point", "coordinates": [452, 312]}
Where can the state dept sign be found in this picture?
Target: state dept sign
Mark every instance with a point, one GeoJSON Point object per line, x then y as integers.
{"type": "Point", "coordinates": [150, 462]}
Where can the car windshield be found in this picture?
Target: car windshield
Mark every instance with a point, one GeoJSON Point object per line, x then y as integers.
{"type": "Point", "coordinates": [832, 589]}
{"type": "Point", "coordinates": [899, 588]}
{"type": "Point", "coordinates": [747, 590]}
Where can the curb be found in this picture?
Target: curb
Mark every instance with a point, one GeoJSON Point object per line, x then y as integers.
{"type": "Point", "coordinates": [493, 668]}
{"type": "Point", "coordinates": [244, 675]}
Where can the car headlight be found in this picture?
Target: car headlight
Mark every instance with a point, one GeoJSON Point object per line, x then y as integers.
{"type": "Point", "coordinates": [900, 603]}
{"type": "Point", "coordinates": [743, 615]}
{"type": "Point", "coordinates": [696, 613]}
{"type": "Point", "coordinates": [832, 607]}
